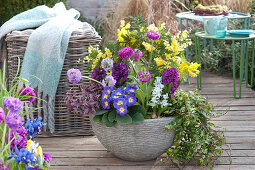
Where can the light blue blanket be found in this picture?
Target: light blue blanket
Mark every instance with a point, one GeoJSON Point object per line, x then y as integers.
{"type": "Point", "coordinates": [46, 47]}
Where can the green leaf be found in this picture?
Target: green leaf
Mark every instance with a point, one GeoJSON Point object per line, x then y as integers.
{"type": "Point", "coordinates": [106, 120]}
{"type": "Point", "coordinates": [112, 116]}
{"type": "Point", "coordinates": [137, 108]}
{"type": "Point", "coordinates": [137, 117]}
{"type": "Point", "coordinates": [97, 118]}
{"type": "Point", "coordinates": [101, 112]}
{"type": "Point", "coordinates": [126, 119]}
{"type": "Point", "coordinates": [140, 95]}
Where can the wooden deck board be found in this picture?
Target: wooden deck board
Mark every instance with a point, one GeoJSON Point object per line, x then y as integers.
{"type": "Point", "coordinates": [86, 153]}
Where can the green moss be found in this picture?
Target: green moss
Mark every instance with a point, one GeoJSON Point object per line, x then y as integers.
{"type": "Point", "coordinates": [10, 8]}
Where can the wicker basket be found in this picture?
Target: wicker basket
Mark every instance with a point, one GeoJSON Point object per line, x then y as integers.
{"type": "Point", "coordinates": [67, 124]}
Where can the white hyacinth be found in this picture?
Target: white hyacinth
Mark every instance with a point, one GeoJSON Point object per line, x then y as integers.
{"type": "Point", "coordinates": [157, 93]}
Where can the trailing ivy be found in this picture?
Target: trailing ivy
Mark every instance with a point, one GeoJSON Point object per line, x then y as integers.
{"type": "Point", "coordinates": [195, 135]}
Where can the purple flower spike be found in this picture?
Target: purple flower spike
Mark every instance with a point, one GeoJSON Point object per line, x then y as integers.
{"type": "Point", "coordinates": [14, 121]}
{"type": "Point", "coordinates": [126, 53]}
{"type": "Point", "coordinates": [74, 75]}
{"type": "Point", "coordinates": [109, 81]}
{"type": "Point", "coordinates": [145, 76]}
{"type": "Point", "coordinates": [4, 166]}
{"type": "Point", "coordinates": [13, 104]}
{"type": "Point", "coordinates": [120, 73]}
{"type": "Point", "coordinates": [2, 115]}
{"type": "Point", "coordinates": [98, 74]}
{"type": "Point", "coordinates": [20, 138]}
{"type": "Point", "coordinates": [171, 75]}
{"type": "Point", "coordinates": [137, 54]}
{"type": "Point", "coordinates": [27, 93]}
{"type": "Point", "coordinates": [107, 64]}
{"type": "Point", "coordinates": [153, 34]}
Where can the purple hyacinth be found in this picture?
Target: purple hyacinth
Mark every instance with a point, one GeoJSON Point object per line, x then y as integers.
{"type": "Point", "coordinates": [145, 76]}
{"type": "Point", "coordinates": [13, 104]}
{"type": "Point", "coordinates": [153, 34]}
{"type": "Point", "coordinates": [74, 75]}
{"type": "Point", "coordinates": [20, 138]}
{"type": "Point", "coordinates": [14, 121]}
{"type": "Point", "coordinates": [120, 73]}
{"type": "Point", "coordinates": [2, 115]}
{"type": "Point", "coordinates": [126, 53]}
{"type": "Point", "coordinates": [47, 157]}
{"type": "Point", "coordinates": [107, 64]}
{"type": "Point", "coordinates": [28, 94]}
{"type": "Point", "coordinates": [171, 75]}
{"type": "Point", "coordinates": [98, 74]}
{"type": "Point", "coordinates": [4, 166]}
{"type": "Point", "coordinates": [137, 54]}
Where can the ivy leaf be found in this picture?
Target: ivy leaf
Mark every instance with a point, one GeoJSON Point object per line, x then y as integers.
{"type": "Point", "coordinates": [112, 116]}
{"type": "Point", "coordinates": [126, 119]}
{"type": "Point", "coordinates": [106, 120]}
{"type": "Point", "coordinates": [101, 112]}
{"type": "Point", "coordinates": [97, 118]}
{"type": "Point", "coordinates": [137, 117]}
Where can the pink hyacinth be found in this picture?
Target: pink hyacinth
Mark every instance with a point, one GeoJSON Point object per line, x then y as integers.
{"type": "Point", "coordinates": [145, 76]}
{"type": "Point", "coordinates": [153, 34]}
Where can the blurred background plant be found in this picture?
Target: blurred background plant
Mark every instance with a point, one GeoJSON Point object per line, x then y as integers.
{"type": "Point", "coordinates": [10, 8]}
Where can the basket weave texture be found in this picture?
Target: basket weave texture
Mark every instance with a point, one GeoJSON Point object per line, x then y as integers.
{"type": "Point", "coordinates": [66, 123]}
{"type": "Point", "coordinates": [136, 142]}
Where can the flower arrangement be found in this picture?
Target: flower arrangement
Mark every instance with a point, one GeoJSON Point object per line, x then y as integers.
{"type": "Point", "coordinates": [137, 77]}
{"type": "Point", "coordinates": [18, 150]}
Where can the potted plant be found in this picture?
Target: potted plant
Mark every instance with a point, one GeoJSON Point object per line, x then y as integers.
{"type": "Point", "coordinates": [134, 84]}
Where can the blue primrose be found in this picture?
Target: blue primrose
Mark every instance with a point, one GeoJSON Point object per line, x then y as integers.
{"type": "Point", "coordinates": [131, 85]}
{"type": "Point", "coordinates": [119, 102]}
{"type": "Point", "coordinates": [131, 100]}
{"type": "Point", "coordinates": [34, 127]}
{"type": "Point", "coordinates": [117, 94]}
{"type": "Point", "coordinates": [122, 110]}
{"type": "Point", "coordinates": [108, 90]}
{"type": "Point", "coordinates": [130, 90]}
{"type": "Point", "coordinates": [106, 104]}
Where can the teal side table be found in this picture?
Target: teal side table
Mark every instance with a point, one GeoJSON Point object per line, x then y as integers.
{"type": "Point", "coordinates": [244, 47]}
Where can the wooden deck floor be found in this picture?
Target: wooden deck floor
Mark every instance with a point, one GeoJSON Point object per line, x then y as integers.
{"type": "Point", "coordinates": [86, 153]}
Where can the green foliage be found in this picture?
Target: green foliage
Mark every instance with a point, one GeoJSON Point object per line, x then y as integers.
{"type": "Point", "coordinates": [10, 8]}
{"type": "Point", "coordinates": [195, 135]}
{"type": "Point", "coordinates": [110, 117]}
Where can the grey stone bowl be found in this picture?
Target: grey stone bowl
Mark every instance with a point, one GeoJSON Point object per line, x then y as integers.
{"type": "Point", "coordinates": [136, 142]}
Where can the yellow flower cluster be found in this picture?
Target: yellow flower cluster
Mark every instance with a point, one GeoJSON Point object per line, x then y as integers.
{"type": "Point", "coordinates": [148, 46]}
{"type": "Point", "coordinates": [31, 144]}
{"type": "Point", "coordinates": [193, 69]}
{"type": "Point", "coordinates": [123, 30]}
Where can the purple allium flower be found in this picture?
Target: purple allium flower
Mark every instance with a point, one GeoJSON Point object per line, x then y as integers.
{"type": "Point", "coordinates": [14, 121]}
{"type": "Point", "coordinates": [153, 34]}
{"type": "Point", "coordinates": [2, 115]}
{"type": "Point", "coordinates": [98, 74]}
{"type": "Point", "coordinates": [137, 54]}
{"type": "Point", "coordinates": [119, 102]}
{"type": "Point", "coordinates": [74, 75]}
{"type": "Point", "coordinates": [171, 75]}
{"type": "Point", "coordinates": [106, 103]}
{"type": "Point", "coordinates": [131, 100]}
{"type": "Point", "coordinates": [120, 73]}
{"type": "Point", "coordinates": [145, 76]}
{"type": "Point", "coordinates": [107, 64]}
{"type": "Point", "coordinates": [126, 53]}
{"type": "Point", "coordinates": [28, 94]}
{"type": "Point", "coordinates": [4, 166]}
{"type": "Point", "coordinates": [122, 110]}
{"type": "Point", "coordinates": [20, 138]}
{"type": "Point", "coordinates": [13, 104]}
{"type": "Point", "coordinates": [47, 157]}
{"type": "Point", "coordinates": [109, 81]}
